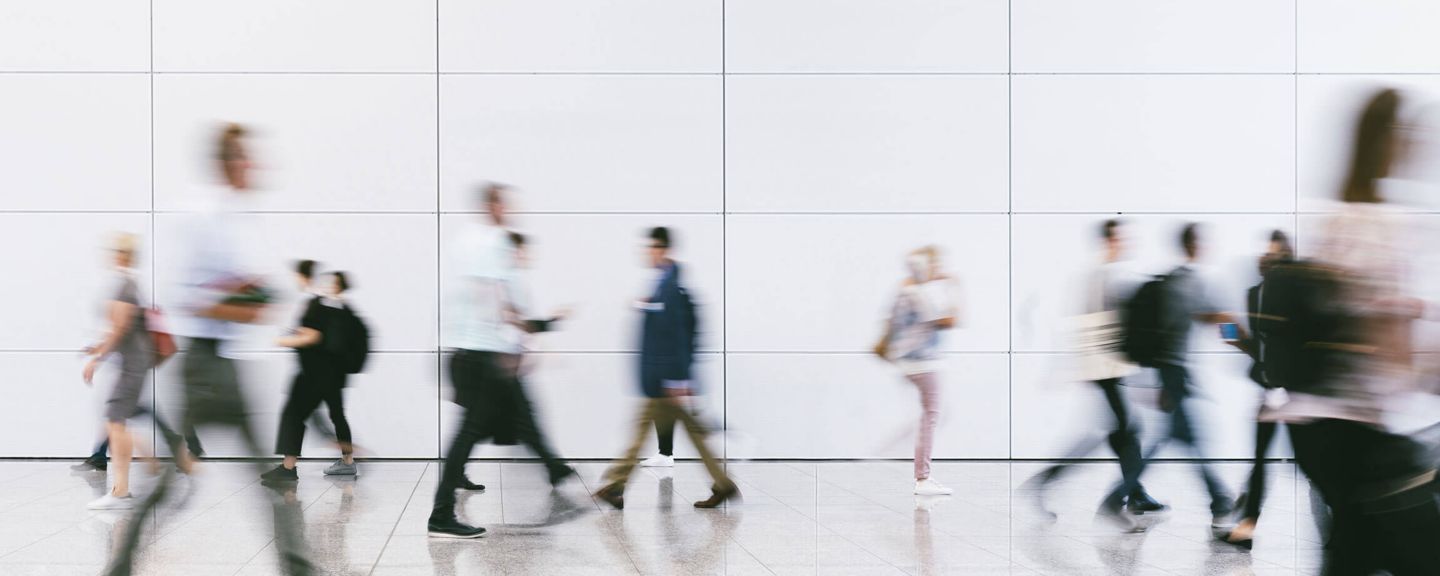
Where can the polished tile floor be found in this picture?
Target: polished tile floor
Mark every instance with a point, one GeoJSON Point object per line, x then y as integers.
{"type": "Point", "coordinates": [796, 518]}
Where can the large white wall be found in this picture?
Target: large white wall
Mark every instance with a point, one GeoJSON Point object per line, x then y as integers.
{"type": "Point", "coordinates": [798, 147]}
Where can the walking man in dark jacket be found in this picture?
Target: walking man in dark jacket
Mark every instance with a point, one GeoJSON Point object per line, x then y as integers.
{"type": "Point", "coordinates": [667, 350]}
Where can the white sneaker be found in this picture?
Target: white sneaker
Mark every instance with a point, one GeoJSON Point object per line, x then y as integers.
{"type": "Point", "coordinates": [659, 461]}
{"type": "Point", "coordinates": [928, 487]}
{"type": "Point", "coordinates": [112, 502]}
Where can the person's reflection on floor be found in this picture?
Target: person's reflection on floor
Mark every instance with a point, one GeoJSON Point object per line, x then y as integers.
{"type": "Point", "coordinates": [924, 538]}
{"type": "Point", "coordinates": [289, 519]}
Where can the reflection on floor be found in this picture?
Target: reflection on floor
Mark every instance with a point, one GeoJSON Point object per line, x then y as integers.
{"type": "Point", "coordinates": [796, 518]}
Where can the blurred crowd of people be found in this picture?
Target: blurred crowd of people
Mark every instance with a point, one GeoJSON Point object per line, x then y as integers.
{"type": "Point", "coordinates": [1329, 334]}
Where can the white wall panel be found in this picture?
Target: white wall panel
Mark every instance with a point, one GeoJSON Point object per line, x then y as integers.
{"type": "Point", "coordinates": [356, 143]}
{"type": "Point", "coordinates": [52, 412]}
{"type": "Point", "coordinates": [804, 283]}
{"type": "Point", "coordinates": [281, 36]}
{"type": "Point", "coordinates": [587, 405]}
{"type": "Point", "coordinates": [1052, 413]}
{"type": "Point", "coordinates": [856, 406]}
{"type": "Point", "coordinates": [391, 407]}
{"type": "Point", "coordinates": [1225, 36]}
{"type": "Point", "coordinates": [393, 273]}
{"type": "Point", "coordinates": [75, 35]}
{"type": "Point", "coordinates": [585, 143]}
{"type": "Point", "coordinates": [596, 266]}
{"type": "Point", "coordinates": [866, 36]}
{"type": "Point", "coordinates": [1373, 36]}
{"type": "Point", "coordinates": [61, 276]}
{"type": "Point", "coordinates": [1153, 143]}
{"type": "Point", "coordinates": [866, 143]}
{"type": "Point", "coordinates": [580, 36]}
{"type": "Point", "coordinates": [75, 141]}
{"type": "Point", "coordinates": [1054, 255]}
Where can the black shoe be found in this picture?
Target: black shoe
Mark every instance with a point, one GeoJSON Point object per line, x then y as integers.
{"type": "Point", "coordinates": [612, 495]}
{"type": "Point", "coordinates": [452, 528]}
{"type": "Point", "coordinates": [89, 465]}
{"type": "Point", "coordinates": [1141, 503]}
{"type": "Point", "coordinates": [560, 475]}
{"type": "Point", "coordinates": [280, 474]}
{"type": "Point", "coordinates": [1244, 544]}
{"type": "Point", "coordinates": [466, 484]}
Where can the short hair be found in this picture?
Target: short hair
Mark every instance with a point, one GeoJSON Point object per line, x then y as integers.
{"type": "Point", "coordinates": [1280, 237]}
{"type": "Point", "coordinates": [305, 268]}
{"type": "Point", "coordinates": [1108, 228]}
{"type": "Point", "coordinates": [1190, 239]}
{"type": "Point", "coordinates": [492, 193]}
{"type": "Point", "coordinates": [660, 235]}
{"type": "Point", "coordinates": [228, 147]}
{"type": "Point", "coordinates": [342, 282]}
{"type": "Point", "coordinates": [517, 239]}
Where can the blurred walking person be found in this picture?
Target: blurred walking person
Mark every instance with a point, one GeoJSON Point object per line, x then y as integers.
{"type": "Point", "coordinates": [1260, 319]}
{"type": "Point", "coordinates": [1183, 299]}
{"type": "Point", "coordinates": [484, 363]}
{"type": "Point", "coordinates": [129, 338]}
{"type": "Point", "coordinates": [1343, 353]}
{"type": "Point", "coordinates": [667, 354]}
{"type": "Point", "coordinates": [220, 293]}
{"type": "Point", "coordinates": [1110, 286]}
{"type": "Point", "coordinates": [319, 342]}
{"type": "Point", "coordinates": [926, 305]}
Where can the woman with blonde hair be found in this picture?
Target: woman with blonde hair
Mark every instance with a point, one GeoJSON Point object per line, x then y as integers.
{"type": "Point", "coordinates": [925, 306]}
{"type": "Point", "coordinates": [127, 336]}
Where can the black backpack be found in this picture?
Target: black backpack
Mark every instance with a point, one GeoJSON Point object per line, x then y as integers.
{"type": "Point", "coordinates": [349, 340]}
{"type": "Point", "coordinates": [1143, 322]}
{"type": "Point", "coordinates": [1309, 341]}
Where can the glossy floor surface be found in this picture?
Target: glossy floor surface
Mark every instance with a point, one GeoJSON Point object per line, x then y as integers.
{"type": "Point", "coordinates": [796, 518]}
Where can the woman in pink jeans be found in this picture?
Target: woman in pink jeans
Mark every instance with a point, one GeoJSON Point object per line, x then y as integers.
{"type": "Point", "coordinates": [925, 305]}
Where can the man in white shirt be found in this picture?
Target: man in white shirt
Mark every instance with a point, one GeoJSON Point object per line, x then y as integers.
{"type": "Point", "coordinates": [484, 363]}
{"type": "Point", "coordinates": [217, 293]}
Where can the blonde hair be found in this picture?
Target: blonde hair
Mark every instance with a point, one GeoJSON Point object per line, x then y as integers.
{"type": "Point", "coordinates": [125, 242]}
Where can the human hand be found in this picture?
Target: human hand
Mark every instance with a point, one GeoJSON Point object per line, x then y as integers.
{"type": "Point", "coordinates": [89, 372]}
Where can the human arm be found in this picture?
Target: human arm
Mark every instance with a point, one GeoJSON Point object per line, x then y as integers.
{"type": "Point", "coordinates": [120, 315]}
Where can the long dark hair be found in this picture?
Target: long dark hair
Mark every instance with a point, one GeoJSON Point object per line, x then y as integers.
{"type": "Point", "coordinates": [1375, 144]}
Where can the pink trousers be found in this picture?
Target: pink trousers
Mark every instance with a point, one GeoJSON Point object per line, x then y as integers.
{"type": "Point", "coordinates": [929, 415]}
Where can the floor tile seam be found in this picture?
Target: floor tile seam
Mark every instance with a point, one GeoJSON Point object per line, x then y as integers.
{"type": "Point", "coordinates": [398, 520]}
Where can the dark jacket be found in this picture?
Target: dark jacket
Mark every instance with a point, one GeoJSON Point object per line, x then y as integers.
{"type": "Point", "coordinates": [667, 335]}
{"type": "Point", "coordinates": [1260, 324]}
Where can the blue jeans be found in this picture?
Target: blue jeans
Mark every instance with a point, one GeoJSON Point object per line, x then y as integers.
{"type": "Point", "coordinates": [1174, 390]}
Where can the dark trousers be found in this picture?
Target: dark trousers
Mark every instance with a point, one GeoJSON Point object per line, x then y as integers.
{"type": "Point", "coordinates": [1174, 390]}
{"type": "Point", "coordinates": [665, 434]}
{"type": "Point", "coordinates": [191, 440]}
{"type": "Point", "coordinates": [306, 393]}
{"type": "Point", "coordinates": [213, 397]}
{"type": "Point", "coordinates": [488, 388]}
{"type": "Point", "coordinates": [1380, 488]}
{"type": "Point", "coordinates": [1124, 440]}
{"type": "Point", "coordinates": [1255, 492]}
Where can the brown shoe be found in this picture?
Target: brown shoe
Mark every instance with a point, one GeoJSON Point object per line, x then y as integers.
{"type": "Point", "coordinates": [719, 496]}
{"type": "Point", "coordinates": [612, 495]}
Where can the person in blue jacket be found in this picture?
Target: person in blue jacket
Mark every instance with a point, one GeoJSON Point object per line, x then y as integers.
{"type": "Point", "coordinates": [667, 351]}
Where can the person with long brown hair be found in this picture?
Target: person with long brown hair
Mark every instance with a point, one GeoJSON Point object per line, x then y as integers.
{"type": "Point", "coordinates": [1379, 484]}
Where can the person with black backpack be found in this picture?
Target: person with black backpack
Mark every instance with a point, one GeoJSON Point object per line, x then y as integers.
{"type": "Point", "coordinates": [323, 343]}
{"type": "Point", "coordinates": [1158, 323]}
{"type": "Point", "coordinates": [667, 352]}
{"type": "Point", "coordinates": [1111, 284]}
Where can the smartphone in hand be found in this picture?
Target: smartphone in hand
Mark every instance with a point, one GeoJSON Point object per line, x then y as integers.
{"type": "Point", "coordinates": [1230, 332]}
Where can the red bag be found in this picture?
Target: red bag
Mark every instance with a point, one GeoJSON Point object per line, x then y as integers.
{"type": "Point", "coordinates": [164, 342]}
